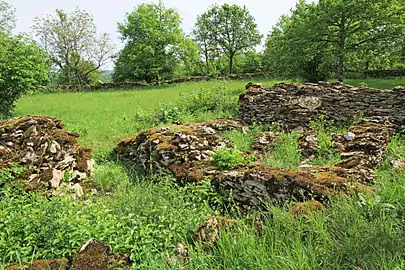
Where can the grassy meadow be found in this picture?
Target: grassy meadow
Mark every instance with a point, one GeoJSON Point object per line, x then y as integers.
{"type": "Point", "coordinates": [145, 216]}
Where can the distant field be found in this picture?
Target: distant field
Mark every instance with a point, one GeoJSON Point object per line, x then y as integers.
{"type": "Point", "coordinates": [104, 118]}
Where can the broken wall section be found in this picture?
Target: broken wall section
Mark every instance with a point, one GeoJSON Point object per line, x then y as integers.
{"type": "Point", "coordinates": [295, 105]}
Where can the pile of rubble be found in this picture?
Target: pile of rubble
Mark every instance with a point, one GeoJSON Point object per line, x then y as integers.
{"type": "Point", "coordinates": [49, 154]}
{"type": "Point", "coordinates": [93, 255]}
{"type": "Point", "coordinates": [176, 148]}
{"type": "Point", "coordinates": [295, 105]}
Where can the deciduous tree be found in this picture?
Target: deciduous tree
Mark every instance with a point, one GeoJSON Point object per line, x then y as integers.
{"type": "Point", "coordinates": [230, 28]}
{"type": "Point", "coordinates": [153, 39]}
{"type": "Point", "coordinates": [350, 25]}
{"type": "Point", "coordinates": [7, 17]}
{"type": "Point", "coordinates": [71, 40]}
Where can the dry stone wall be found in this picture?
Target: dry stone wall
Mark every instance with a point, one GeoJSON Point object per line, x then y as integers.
{"type": "Point", "coordinates": [294, 105]}
{"type": "Point", "coordinates": [49, 154]}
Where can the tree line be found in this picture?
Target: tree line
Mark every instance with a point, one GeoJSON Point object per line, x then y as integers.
{"type": "Point", "coordinates": [329, 39]}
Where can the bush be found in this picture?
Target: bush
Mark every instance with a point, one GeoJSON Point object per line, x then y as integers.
{"type": "Point", "coordinates": [216, 98]}
{"type": "Point", "coordinates": [168, 114]}
{"type": "Point", "coordinates": [23, 67]}
{"type": "Point", "coordinates": [230, 158]}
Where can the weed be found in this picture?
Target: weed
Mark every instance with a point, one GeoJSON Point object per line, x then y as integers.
{"type": "Point", "coordinates": [243, 141]}
{"type": "Point", "coordinates": [230, 158]}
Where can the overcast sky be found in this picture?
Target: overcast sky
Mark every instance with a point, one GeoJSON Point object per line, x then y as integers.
{"type": "Point", "coordinates": [108, 13]}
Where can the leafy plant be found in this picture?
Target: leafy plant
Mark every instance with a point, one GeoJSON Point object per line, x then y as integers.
{"type": "Point", "coordinates": [215, 98]}
{"type": "Point", "coordinates": [243, 141]}
{"type": "Point", "coordinates": [8, 174]}
{"type": "Point", "coordinates": [168, 114]}
{"type": "Point", "coordinates": [230, 158]}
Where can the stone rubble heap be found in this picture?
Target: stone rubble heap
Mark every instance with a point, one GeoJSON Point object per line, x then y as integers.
{"type": "Point", "coordinates": [309, 143]}
{"type": "Point", "coordinates": [363, 147]}
{"type": "Point", "coordinates": [265, 141]}
{"type": "Point", "coordinates": [295, 105]}
{"type": "Point", "coordinates": [175, 148]}
{"type": "Point", "coordinates": [49, 154]}
{"type": "Point", "coordinates": [93, 255]}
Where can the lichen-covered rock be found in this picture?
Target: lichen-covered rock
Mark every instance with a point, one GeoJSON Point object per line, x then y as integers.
{"type": "Point", "coordinates": [180, 256]}
{"type": "Point", "coordinates": [308, 143]}
{"type": "Point", "coordinates": [306, 208]}
{"type": "Point", "coordinates": [58, 264]}
{"type": "Point", "coordinates": [95, 255]}
{"type": "Point", "coordinates": [208, 233]}
{"type": "Point", "coordinates": [164, 149]}
{"type": "Point", "coordinates": [175, 149]}
{"type": "Point", "coordinates": [364, 149]}
{"type": "Point", "coordinates": [265, 141]}
{"type": "Point", "coordinates": [294, 105]}
{"type": "Point", "coordinates": [49, 154]}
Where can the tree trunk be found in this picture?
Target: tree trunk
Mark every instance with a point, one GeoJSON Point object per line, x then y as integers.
{"type": "Point", "coordinates": [230, 63]}
{"type": "Point", "coordinates": [342, 45]}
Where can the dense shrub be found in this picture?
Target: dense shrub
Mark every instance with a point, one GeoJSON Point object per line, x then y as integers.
{"type": "Point", "coordinates": [23, 67]}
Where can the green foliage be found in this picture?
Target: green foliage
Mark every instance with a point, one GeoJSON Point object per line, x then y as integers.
{"type": "Point", "coordinates": [285, 153]}
{"type": "Point", "coordinates": [74, 47]}
{"type": "Point", "coordinates": [8, 174]}
{"type": "Point", "coordinates": [168, 114]}
{"type": "Point", "coordinates": [243, 141]}
{"type": "Point", "coordinates": [7, 17]}
{"type": "Point", "coordinates": [153, 41]}
{"type": "Point", "coordinates": [204, 99]}
{"type": "Point", "coordinates": [327, 154]}
{"type": "Point", "coordinates": [290, 51]}
{"type": "Point", "coordinates": [226, 29]}
{"type": "Point", "coordinates": [230, 158]}
{"type": "Point", "coordinates": [190, 64]}
{"type": "Point", "coordinates": [23, 68]}
{"type": "Point", "coordinates": [337, 35]}
{"type": "Point", "coordinates": [145, 219]}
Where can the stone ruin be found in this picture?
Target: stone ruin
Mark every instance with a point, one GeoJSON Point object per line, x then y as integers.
{"type": "Point", "coordinates": [186, 150]}
{"type": "Point", "coordinates": [294, 105]}
{"type": "Point", "coordinates": [49, 154]}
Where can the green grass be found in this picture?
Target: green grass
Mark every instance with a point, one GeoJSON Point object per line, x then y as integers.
{"type": "Point", "coordinates": [146, 216]}
{"type": "Point", "coordinates": [285, 153]}
{"type": "Point", "coordinates": [377, 83]}
{"type": "Point", "coordinates": [104, 118]}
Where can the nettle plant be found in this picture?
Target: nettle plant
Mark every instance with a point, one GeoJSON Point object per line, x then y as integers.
{"type": "Point", "coordinates": [230, 158]}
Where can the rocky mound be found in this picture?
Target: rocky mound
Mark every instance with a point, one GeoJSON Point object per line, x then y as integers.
{"type": "Point", "coordinates": [176, 147]}
{"type": "Point", "coordinates": [49, 154]}
{"type": "Point", "coordinates": [185, 151]}
{"type": "Point", "coordinates": [93, 255]}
